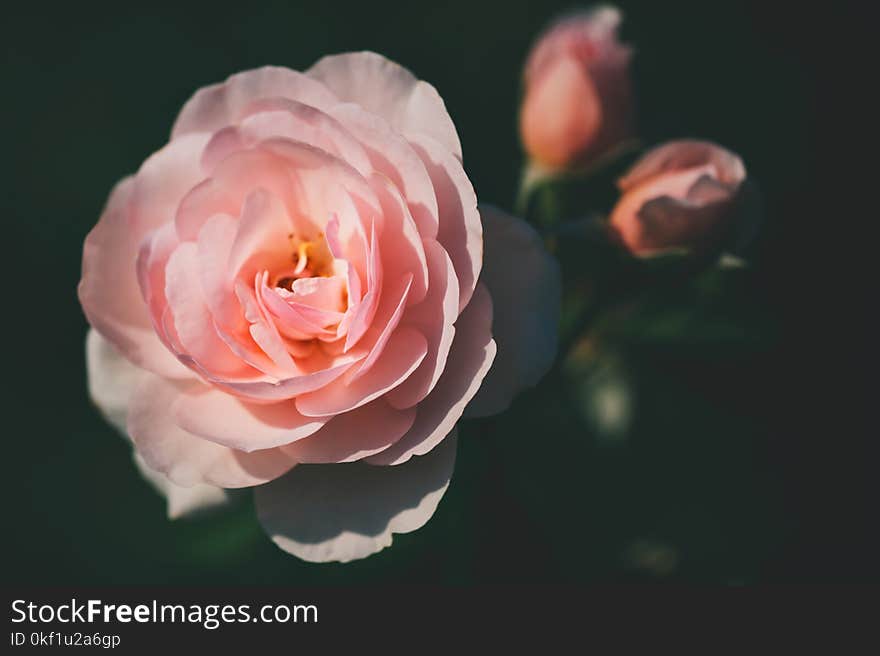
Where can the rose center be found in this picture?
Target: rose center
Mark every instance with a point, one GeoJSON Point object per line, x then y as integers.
{"type": "Point", "coordinates": [310, 258]}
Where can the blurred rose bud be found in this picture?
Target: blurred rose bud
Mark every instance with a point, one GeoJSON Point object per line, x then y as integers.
{"type": "Point", "coordinates": [578, 98]}
{"type": "Point", "coordinates": [681, 195]}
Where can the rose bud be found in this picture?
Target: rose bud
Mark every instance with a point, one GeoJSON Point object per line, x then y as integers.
{"type": "Point", "coordinates": [299, 293]}
{"type": "Point", "coordinates": [578, 96]}
{"type": "Point", "coordinates": [681, 195]}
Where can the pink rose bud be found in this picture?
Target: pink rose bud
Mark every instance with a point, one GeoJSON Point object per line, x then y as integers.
{"type": "Point", "coordinates": [578, 97]}
{"type": "Point", "coordinates": [679, 195]}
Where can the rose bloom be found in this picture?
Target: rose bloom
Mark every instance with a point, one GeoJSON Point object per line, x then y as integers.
{"type": "Point", "coordinates": [578, 95]}
{"type": "Point", "coordinates": [681, 195]}
{"type": "Point", "coordinates": [294, 294]}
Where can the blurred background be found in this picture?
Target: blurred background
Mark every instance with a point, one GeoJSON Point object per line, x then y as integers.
{"type": "Point", "coordinates": [752, 461]}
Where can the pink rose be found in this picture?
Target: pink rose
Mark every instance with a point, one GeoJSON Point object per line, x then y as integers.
{"type": "Point", "coordinates": [681, 195]}
{"type": "Point", "coordinates": [578, 96]}
{"type": "Point", "coordinates": [297, 280]}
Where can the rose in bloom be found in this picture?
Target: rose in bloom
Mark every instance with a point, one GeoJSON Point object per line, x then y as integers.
{"type": "Point", "coordinates": [681, 195]}
{"type": "Point", "coordinates": [298, 292]}
{"type": "Point", "coordinates": [578, 95]}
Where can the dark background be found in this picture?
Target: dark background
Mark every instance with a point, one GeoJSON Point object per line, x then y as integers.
{"type": "Point", "coordinates": [782, 488]}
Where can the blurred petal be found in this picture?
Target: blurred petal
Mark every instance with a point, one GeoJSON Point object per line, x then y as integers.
{"type": "Point", "coordinates": [685, 154]}
{"type": "Point", "coordinates": [344, 512]}
{"type": "Point", "coordinates": [561, 114]}
{"type": "Point", "coordinates": [524, 281]}
{"type": "Point", "coordinates": [111, 379]}
{"type": "Point", "coordinates": [184, 501]}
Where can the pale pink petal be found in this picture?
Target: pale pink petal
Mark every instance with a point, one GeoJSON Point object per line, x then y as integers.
{"type": "Point", "coordinates": [263, 236]}
{"type": "Point", "coordinates": [192, 319]}
{"type": "Point", "coordinates": [152, 257]}
{"type": "Point", "coordinates": [402, 248]}
{"type": "Point", "coordinates": [354, 435]}
{"type": "Point", "coordinates": [524, 281]}
{"type": "Point", "coordinates": [215, 241]}
{"type": "Point", "coordinates": [163, 181]}
{"type": "Point", "coordinates": [222, 144]}
{"type": "Point", "coordinates": [461, 232]}
{"type": "Point", "coordinates": [229, 185]}
{"type": "Point", "coordinates": [387, 318]}
{"type": "Point", "coordinates": [387, 89]}
{"type": "Point", "coordinates": [404, 352]}
{"type": "Point", "coordinates": [235, 423]}
{"type": "Point", "coordinates": [263, 329]}
{"type": "Point", "coordinates": [679, 195]}
{"type": "Point", "coordinates": [366, 309]}
{"type": "Point", "coordinates": [111, 379]}
{"type": "Point", "coordinates": [184, 458]}
{"type": "Point", "coordinates": [282, 117]}
{"type": "Point", "coordinates": [344, 512]}
{"type": "Point", "coordinates": [325, 294]}
{"type": "Point", "coordinates": [562, 117]}
{"type": "Point", "coordinates": [674, 184]}
{"type": "Point", "coordinates": [326, 186]}
{"type": "Point", "coordinates": [334, 245]}
{"type": "Point", "coordinates": [434, 318]}
{"type": "Point", "coordinates": [471, 357]}
{"type": "Point", "coordinates": [685, 154]}
{"type": "Point", "coordinates": [295, 321]}
{"type": "Point", "coordinates": [268, 392]}
{"type": "Point", "coordinates": [216, 106]}
{"type": "Point", "coordinates": [110, 294]}
{"type": "Point", "coordinates": [393, 156]}
{"type": "Point", "coordinates": [182, 501]}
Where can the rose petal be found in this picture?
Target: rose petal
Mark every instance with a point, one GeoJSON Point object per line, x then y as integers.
{"type": "Point", "coordinates": [344, 512]}
{"type": "Point", "coordinates": [470, 358]}
{"type": "Point", "coordinates": [184, 501]}
{"type": "Point", "coordinates": [405, 351]}
{"type": "Point", "coordinates": [222, 418]}
{"type": "Point", "coordinates": [434, 318]}
{"type": "Point", "coordinates": [685, 154]}
{"type": "Point", "coordinates": [387, 319]}
{"type": "Point", "coordinates": [109, 293]}
{"type": "Point", "coordinates": [192, 319]}
{"type": "Point", "coordinates": [402, 248]}
{"type": "Point", "coordinates": [111, 379]}
{"type": "Point", "coordinates": [525, 284]}
{"type": "Point", "coordinates": [216, 106]}
{"type": "Point", "coordinates": [562, 115]}
{"type": "Point", "coordinates": [283, 117]}
{"type": "Point", "coordinates": [385, 88]}
{"type": "Point", "coordinates": [393, 156]}
{"type": "Point", "coordinates": [460, 232]}
{"type": "Point", "coordinates": [354, 435]}
{"type": "Point", "coordinates": [185, 458]}
{"type": "Point", "coordinates": [269, 391]}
